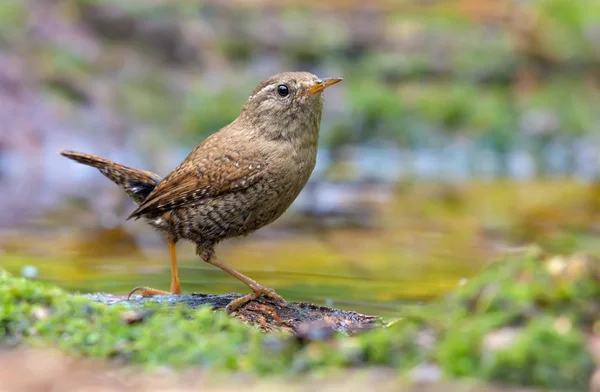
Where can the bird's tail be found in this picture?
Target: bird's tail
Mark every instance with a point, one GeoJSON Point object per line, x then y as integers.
{"type": "Point", "coordinates": [137, 183]}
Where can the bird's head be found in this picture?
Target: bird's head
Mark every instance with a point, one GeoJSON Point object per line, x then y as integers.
{"type": "Point", "coordinates": [287, 105]}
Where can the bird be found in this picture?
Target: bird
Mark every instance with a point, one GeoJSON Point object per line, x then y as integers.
{"type": "Point", "coordinates": [236, 181]}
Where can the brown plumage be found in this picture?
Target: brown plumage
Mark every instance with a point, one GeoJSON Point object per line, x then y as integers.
{"type": "Point", "coordinates": [238, 180]}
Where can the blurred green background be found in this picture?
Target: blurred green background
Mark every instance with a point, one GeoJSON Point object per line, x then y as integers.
{"type": "Point", "coordinates": [463, 130]}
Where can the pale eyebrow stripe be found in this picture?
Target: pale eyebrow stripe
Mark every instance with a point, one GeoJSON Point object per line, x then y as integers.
{"type": "Point", "coordinates": [267, 87]}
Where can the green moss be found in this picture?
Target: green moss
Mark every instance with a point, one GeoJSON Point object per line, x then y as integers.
{"type": "Point", "coordinates": [402, 350]}
{"type": "Point", "coordinates": [523, 321]}
{"type": "Point", "coordinates": [543, 307]}
{"type": "Point", "coordinates": [39, 314]}
{"type": "Point", "coordinates": [542, 356]}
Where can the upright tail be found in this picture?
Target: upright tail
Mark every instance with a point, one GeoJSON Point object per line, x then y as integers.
{"type": "Point", "coordinates": [137, 183]}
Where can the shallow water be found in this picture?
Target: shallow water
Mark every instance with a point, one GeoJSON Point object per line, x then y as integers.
{"type": "Point", "coordinates": [299, 270]}
{"type": "Point", "coordinates": [421, 242]}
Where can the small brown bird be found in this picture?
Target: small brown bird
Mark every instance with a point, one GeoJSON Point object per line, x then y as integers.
{"type": "Point", "coordinates": [237, 180]}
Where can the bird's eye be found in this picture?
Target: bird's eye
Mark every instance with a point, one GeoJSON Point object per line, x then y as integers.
{"type": "Point", "coordinates": [283, 90]}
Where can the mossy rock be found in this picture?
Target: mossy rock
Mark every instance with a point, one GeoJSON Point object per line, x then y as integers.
{"type": "Point", "coordinates": [525, 320]}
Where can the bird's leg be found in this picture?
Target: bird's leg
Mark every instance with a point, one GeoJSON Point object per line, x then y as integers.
{"type": "Point", "coordinates": [257, 288]}
{"type": "Point", "coordinates": [175, 286]}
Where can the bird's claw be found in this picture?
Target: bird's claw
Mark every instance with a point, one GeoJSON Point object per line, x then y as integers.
{"type": "Point", "coordinates": [255, 294]}
{"type": "Point", "coordinates": [147, 292]}
{"type": "Point", "coordinates": [270, 293]}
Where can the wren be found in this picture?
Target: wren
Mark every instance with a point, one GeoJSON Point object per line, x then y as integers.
{"type": "Point", "coordinates": [236, 181]}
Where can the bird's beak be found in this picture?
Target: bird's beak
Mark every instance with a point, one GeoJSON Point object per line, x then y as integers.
{"type": "Point", "coordinates": [322, 84]}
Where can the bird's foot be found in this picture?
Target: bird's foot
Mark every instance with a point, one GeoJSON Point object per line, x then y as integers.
{"type": "Point", "coordinates": [148, 292]}
{"type": "Point", "coordinates": [257, 291]}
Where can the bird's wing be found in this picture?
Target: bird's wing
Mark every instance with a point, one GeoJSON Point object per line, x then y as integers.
{"type": "Point", "coordinates": [206, 175]}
